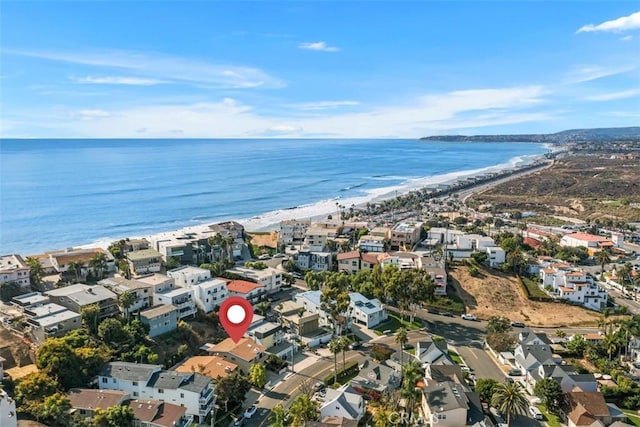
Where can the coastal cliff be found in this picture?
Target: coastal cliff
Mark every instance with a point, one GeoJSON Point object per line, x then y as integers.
{"type": "Point", "coordinates": [566, 136]}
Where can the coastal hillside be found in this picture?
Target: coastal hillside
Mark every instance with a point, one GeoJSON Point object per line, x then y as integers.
{"type": "Point", "coordinates": [584, 187]}
{"type": "Point", "coordinates": [565, 136]}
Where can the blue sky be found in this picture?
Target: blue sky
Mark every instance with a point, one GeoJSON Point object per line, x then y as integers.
{"type": "Point", "coordinates": [316, 68]}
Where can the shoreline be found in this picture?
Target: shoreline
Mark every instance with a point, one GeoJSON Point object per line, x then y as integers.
{"type": "Point", "coordinates": [270, 221]}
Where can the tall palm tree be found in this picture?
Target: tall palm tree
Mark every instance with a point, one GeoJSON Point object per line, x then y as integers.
{"type": "Point", "coordinates": [126, 300]}
{"type": "Point", "coordinates": [401, 338]}
{"type": "Point", "coordinates": [602, 258]}
{"type": "Point", "coordinates": [215, 242]}
{"type": "Point", "coordinates": [516, 259]}
{"type": "Point", "coordinates": [334, 347]}
{"type": "Point", "coordinates": [76, 268]}
{"type": "Point", "coordinates": [610, 340]}
{"type": "Point", "coordinates": [98, 264]}
{"type": "Point", "coordinates": [228, 244]}
{"type": "Point", "coordinates": [510, 399]}
{"type": "Point", "coordinates": [35, 271]}
{"type": "Point", "coordinates": [344, 346]}
{"type": "Point", "coordinates": [263, 307]}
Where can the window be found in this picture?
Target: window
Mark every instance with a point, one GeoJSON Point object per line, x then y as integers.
{"type": "Point", "coordinates": [135, 383]}
{"type": "Point", "coordinates": [160, 390]}
{"type": "Point", "coordinates": [104, 380]}
{"type": "Point", "coordinates": [135, 394]}
{"type": "Point", "coordinates": [182, 395]}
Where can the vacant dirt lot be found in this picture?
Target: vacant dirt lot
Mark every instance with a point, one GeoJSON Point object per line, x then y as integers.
{"type": "Point", "coordinates": [269, 240]}
{"type": "Point", "coordinates": [496, 294]}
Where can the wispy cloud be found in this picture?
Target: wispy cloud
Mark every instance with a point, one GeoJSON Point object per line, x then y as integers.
{"type": "Point", "coordinates": [594, 72]}
{"type": "Point", "coordinates": [614, 95]}
{"type": "Point", "coordinates": [116, 80]}
{"type": "Point", "coordinates": [626, 38]}
{"type": "Point", "coordinates": [442, 112]}
{"type": "Point", "coordinates": [319, 46]}
{"type": "Point", "coordinates": [92, 114]}
{"type": "Point", "coordinates": [155, 66]}
{"type": "Point", "coordinates": [624, 23]}
{"type": "Point", "coordinates": [325, 105]}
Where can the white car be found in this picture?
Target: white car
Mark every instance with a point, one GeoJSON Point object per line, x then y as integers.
{"type": "Point", "coordinates": [468, 316]}
{"type": "Point", "coordinates": [265, 256]}
{"type": "Point", "coordinates": [250, 411]}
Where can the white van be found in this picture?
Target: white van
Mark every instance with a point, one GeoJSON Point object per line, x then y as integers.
{"type": "Point", "coordinates": [535, 413]}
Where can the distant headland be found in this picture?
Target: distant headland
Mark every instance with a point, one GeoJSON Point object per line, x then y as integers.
{"type": "Point", "coordinates": [566, 136]}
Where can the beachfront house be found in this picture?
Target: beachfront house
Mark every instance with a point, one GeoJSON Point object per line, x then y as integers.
{"type": "Point", "coordinates": [13, 269]}
{"type": "Point", "coordinates": [144, 261]}
{"type": "Point", "coordinates": [369, 243]}
{"type": "Point", "coordinates": [62, 261]}
{"type": "Point", "coordinates": [293, 232]}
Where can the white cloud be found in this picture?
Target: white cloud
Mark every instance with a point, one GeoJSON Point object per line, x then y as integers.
{"type": "Point", "coordinates": [626, 38]}
{"type": "Point", "coordinates": [319, 46]}
{"type": "Point", "coordinates": [229, 118]}
{"type": "Point", "coordinates": [619, 25]}
{"type": "Point", "coordinates": [614, 95]}
{"type": "Point", "coordinates": [326, 105]}
{"type": "Point", "coordinates": [115, 80]}
{"type": "Point", "coordinates": [595, 72]}
{"type": "Point", "coordinates": [92, 114]}
{"type": "Point", "coordinates": [155, 66]}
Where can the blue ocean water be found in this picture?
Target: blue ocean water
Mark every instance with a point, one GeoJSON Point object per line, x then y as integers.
{"type": "Point", "coordinates": [62, 193]}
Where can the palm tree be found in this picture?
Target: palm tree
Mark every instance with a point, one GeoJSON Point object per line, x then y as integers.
{"type": "Point", "coordinates": [344, 346]}
{"type": "Point", "coordinates": [516, 259]}
{"type": "Point", "coordinates": [123, 265]}
{"type": "Point", "coordinates": [35, 271]}
{"type": "Point", "coordinates": [610, 340]}
{"type": "Point", "coordinates": [215, 242]}
{"type": "Point", "coordinates": [263, 307]}
{"type": "Point", "coordinates": [228, 244]}
{"type": "Point", "coordinates": [401, 338]}
{"type": "Point", "coordinates": [602, 258]}
{"type": "Point", "coordinates": [98, 264]}
{"type": "Point", "coordinates": [334, 347]}
{"type": "Point", "coordinates": [76, 267]}
{"type": "Point", "coordinates": [126, 300]}
{"type": "Point", "coordinates": [510, 399]}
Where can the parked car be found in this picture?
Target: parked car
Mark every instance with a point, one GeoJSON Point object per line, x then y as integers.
{"type": "Point", "coordinates": [514, 372]}
{"type": "Point", "coordinates": [535, 413]}
{"type": "Point", "coordinates": [239, 422]}
{"type": "Point", "coordinates": [355, 345]}
{"type": "Point", "coordinates": [467, 316]}
{"type": "Point", "coordinates": [279, 255]}
{"type": "Point", "coordinates": [264, 256]}
{"type": "Point", "coordinates": [447, 314]}
{"type": "Point", "coordinates": [517, 324]}
{"type": "Point", "coordinates": [250, 411]}
{"type": "Point", "coordinates": [319, 386]}
{"type": "Point", "coordinates": [509, 380]}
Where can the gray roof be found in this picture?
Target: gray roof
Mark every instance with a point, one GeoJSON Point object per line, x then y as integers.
{"type": "Point", "coordinates": [446, 396]}
{"type": "Point", "coordinates": [143, 254]}
{"type": "Point", "coordinates": [441, 373]}
{"type": "Point", "coordinates": [83, 294]}
{"type": "Point", "coordinates": [185, 381]}
{"type": "Point", "coordinates": [158, 310]}
{"type": "Point", "coordinates": [129, 371]}
{"type": "Point", "coordinates": [347, 398]}
{"type": "Point", "coordinates": [376, 376]}
{"type": "Point", "coordinates": [534, 355]}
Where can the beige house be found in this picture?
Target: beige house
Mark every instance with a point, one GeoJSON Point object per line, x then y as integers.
{"type": "Point", "coordinates": [244, 353]}
{"type": "Point", "coordinates": [144, 261]}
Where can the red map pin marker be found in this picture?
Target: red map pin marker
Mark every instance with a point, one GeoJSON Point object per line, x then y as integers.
{"type": "Point", "coordinates": [236, 314]}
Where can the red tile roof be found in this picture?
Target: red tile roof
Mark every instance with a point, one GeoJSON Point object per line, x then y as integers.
{"type": "Point", "coordinates": [532, 242]}
{"type": "Point", "coordinates": [371, 258]}
{"type": "Point", "coordinates": [348, 255]}
{"type": "Point", "coordinates": [242, 286]}
{"type": "Point", "coordinates": [587, 237]}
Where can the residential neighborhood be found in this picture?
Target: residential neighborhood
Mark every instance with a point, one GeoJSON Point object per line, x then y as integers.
{"type": "Point", "coordinates": [355, 308]}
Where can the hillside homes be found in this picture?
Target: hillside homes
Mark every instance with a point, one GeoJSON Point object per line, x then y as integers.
{"type": "Point", "coordinates": [572, 284]}
{"type": "Point", "coordinates": [363, 311]}
{"type": "Point", "coordinates": [592, 242]}
{"type": "Point", "coordinates": [270, 278]}
{"type": "Point", "coordinates": [142, 381]}
{"type": "Point", "coordinates": [208, 293]}
{"type": "Point", "coordinates": [75, 297]}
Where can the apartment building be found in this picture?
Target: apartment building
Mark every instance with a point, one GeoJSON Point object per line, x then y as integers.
{"type": "Point", "coordinates": [77, 296]}
{"type": "Point", "coordinates": [14, 269]}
